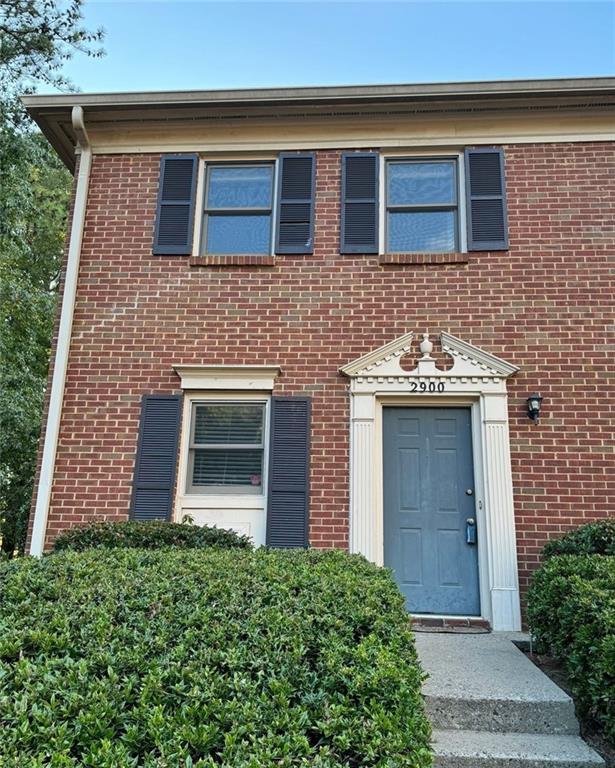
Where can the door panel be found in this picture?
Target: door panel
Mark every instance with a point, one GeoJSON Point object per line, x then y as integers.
{"type": "Point", "coordinates": [410, 540]}
{"type": "Point", "coordinates": [427, 470]}
{"type": "Point", "coordinates": [410, 492]}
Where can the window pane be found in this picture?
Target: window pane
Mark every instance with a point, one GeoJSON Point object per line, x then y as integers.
{"type": "Point", "coordinates": [227, 467]}
{"type": "Point", "coordinates": [240, 187]}
{"type": "Point", "coordinates": [421, 183]}
{"type": "Point", "coordinates": [429, 231]}
{"type": "Point", "coordinates": [228, 424]}
{"type": "Point", "coordinates": [238, 234]}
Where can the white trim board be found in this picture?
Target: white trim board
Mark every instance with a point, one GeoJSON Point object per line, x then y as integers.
{"type": "Point", "coordinates": [227, 377]}
{"type": "Point", "coordinates": [477, 379]}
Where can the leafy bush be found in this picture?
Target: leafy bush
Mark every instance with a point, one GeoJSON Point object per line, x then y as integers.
{"type": "Point", "coordinates": [147, 535]}
{"type": "Point", "coordinates": [571, 610]}
{"type": "Point", "coordinates": [117, 658]}
{"type": "Point", "coordinates": [592, 539]}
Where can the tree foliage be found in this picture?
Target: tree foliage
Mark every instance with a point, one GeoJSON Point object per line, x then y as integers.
{"type": "Point", "coordinates": [36, 38]}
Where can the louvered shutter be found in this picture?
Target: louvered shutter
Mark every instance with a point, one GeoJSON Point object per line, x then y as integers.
{"type": "Point", "coordinates": [176, 200]}
{"type": "Point", "coordinates": [154, 477]}
{"type": "Point", "coordinates": [486, 199]}
{"type": "Point", "coordinates": [359, 229]}
{"type": "Point", "coordinates": [295, 230]}
{"type": "Point", "coordinates": [287, 505]}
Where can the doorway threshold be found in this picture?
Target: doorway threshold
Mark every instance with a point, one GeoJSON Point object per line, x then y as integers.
{"type": "Point", "coordinates": [470, 625]}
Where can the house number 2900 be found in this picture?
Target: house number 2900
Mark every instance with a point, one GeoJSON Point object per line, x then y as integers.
{"type": "Point", "coordinates": [423, 386]}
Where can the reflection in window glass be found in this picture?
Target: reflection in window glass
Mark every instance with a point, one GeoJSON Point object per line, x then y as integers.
{"type": "Point", "coordinates": [422, 212]}
{"type": "Point", "coordinates": [428, 231]}
{"type": "Point", "coordinates": [238, 234]}
{"type": "Point", "coordinates": [238, 209]}
{"type": "Point", "coordinates": [421, 184]}
{"type": "Point", "coordinates": [240, 186]}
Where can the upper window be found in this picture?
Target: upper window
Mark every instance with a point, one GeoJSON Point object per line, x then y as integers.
{"type": "Point", "coordinates": [226, 448]}
{"type": "Point", "coordinates": [422, 212]}
{"type": "Point", "coordinates": [238, 209]}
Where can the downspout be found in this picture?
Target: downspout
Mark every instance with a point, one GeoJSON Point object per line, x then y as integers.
{"type": "Point", "coordinates": [43, 495]}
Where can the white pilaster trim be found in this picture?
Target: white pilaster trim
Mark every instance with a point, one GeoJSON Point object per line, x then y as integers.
{"type": "Point", "coordinates": [365, 526]}
{"type": "Point", "coordinates": [503, 571]}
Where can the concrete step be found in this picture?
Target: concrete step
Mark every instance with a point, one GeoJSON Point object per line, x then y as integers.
{"type": "Point", "coordinates": [485, 683]}
{"type": "Point", "coordinates": [480, 749]}
{"type": "Point", "coordinates": [502, 715]}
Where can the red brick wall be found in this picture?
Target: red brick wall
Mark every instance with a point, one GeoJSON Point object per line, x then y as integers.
{"type": "Point", "coordinates": [546, 305]}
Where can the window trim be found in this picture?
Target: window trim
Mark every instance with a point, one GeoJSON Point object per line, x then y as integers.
{"type": "Point", "coordinates": [456, 155]}
{"type": "Point", "coordinates": [202, 191]}
{"type": "Point", "coordinates": [223, 490]}
{"type": "Point", "coordinates": [226, 499]}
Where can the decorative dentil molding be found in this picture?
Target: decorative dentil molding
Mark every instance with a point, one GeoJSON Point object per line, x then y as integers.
{"type": "Point", "coordinates": [468, 360]}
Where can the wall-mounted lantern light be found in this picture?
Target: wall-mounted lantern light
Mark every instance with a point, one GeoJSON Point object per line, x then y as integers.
{"type": "Point", "coordinates": [533, 406]}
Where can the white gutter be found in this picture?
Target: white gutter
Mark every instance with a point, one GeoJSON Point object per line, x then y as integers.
{"type": "Point", "coordinates": [43, 494]}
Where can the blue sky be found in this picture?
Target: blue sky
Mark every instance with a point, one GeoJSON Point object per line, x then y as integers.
{"type": "Point", "coordinates": [191, 45]}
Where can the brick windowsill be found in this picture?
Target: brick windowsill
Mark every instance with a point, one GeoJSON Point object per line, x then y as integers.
{"type": "Point", "coordinates": [232, 259]}
{"type": "Point", "coordinates": [423, 258]}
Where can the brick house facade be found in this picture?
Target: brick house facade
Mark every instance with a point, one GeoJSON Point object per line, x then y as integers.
{"type": "Point", "coordinates": [544, 305]}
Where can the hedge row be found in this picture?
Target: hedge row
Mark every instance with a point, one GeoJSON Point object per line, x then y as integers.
{"type": "Point", "coordinates": [571, 611]}
{"type": "Point", "coordinates": [147, 535]}
{"type": "Point", "coordinates": [592, 539]}
{"type": "Point", "coordinates": [117, 658]}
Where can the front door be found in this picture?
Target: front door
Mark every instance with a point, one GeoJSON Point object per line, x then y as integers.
{"type": "Point", "coordinates": [429, 509]}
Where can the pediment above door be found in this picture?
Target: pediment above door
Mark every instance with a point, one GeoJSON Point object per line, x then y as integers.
{"type": "Point", "coordinates": [469, 362]}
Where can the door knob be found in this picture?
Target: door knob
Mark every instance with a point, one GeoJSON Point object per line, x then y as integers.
{"type": "Point", "coordinates": [469, 492]}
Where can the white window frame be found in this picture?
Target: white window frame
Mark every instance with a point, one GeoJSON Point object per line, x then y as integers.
{"type": "Point", "coordinates": [230, 490]}
{"type": "Point", "coordinates": [186, 500]}
{"type": "Point", "coordinates": [425, 154]}
{"type": "Point", "coordinates": [201, 191]}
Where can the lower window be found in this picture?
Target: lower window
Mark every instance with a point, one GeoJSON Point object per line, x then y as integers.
{"type": "Point", "coordinates": [226, 453]}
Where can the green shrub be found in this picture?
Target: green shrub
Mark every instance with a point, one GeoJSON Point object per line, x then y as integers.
{"type": "Point", "coordinates": [571, 611]}
{"type": "Point", "coordinates": [147, 535]}
{"type": "Point", "coordinates": [117, 658]}
{"type": "Point", "coordinates": [592, 539]}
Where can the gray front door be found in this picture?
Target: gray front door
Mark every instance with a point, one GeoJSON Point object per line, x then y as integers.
{"type": "Point", "coordinates": [428, 499]}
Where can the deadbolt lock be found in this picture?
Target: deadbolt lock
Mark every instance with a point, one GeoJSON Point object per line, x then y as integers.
{"type": "Point", "coordinates": [469, 492]}
{"type": "Point", "coordinates": [470, 530]}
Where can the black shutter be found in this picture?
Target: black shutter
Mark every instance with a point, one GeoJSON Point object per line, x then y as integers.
{"type": "Point", "coordinates": [486, 199]}
{"type": "Point", "coordinates": [359, 230]}
{"type": "Point", "coordinates": [154, 478]}
{"type": "Point", "coordinates": [296, 203]}
{"type": "Point", "coordinates": [289, 472]}
{"type": "Point", "coordinates": [175, 211]}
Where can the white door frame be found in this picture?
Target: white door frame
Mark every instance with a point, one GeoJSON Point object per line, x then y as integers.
{"type": "Point", "coordinates": [477, 379]}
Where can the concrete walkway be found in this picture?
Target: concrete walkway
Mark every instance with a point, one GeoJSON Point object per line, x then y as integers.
{"type": "Point", "coordinates": [490, 706]}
